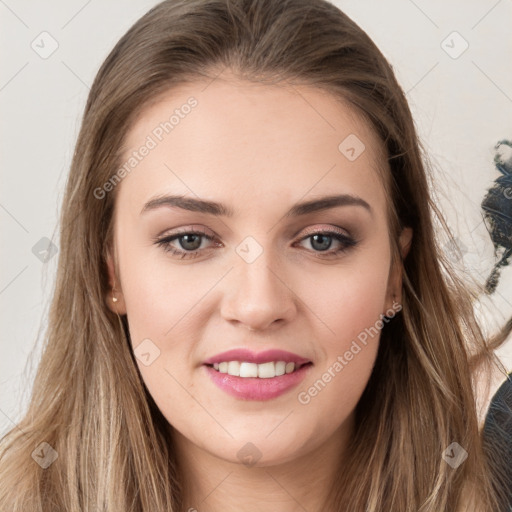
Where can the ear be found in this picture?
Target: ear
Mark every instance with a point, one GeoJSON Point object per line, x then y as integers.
{"type": "Point", "coordinates": [115, 291]}
{"type": "Point", "coordinates": [394, 291]}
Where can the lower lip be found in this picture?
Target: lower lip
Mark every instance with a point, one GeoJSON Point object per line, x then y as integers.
{"type": "Point", "coordinates": [254, 388]}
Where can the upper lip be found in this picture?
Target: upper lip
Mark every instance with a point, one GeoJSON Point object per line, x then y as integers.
{"type": "Point", "coordinates": [245, 355]}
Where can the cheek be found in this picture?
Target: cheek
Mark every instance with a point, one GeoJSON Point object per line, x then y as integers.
{"type": "Point", "coordinates": [160, 295]}
{"type": "Point", "coordinates": [350, 306]}
{"type": "Point", "coordinates": [165, 305]}
{"type": "Point", "coordinates": [147, 309]}
{"type": "Point", "coordinates": [348, 299]}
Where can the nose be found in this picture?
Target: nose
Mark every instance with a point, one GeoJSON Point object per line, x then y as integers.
{"type": "Point", "coordinates": [258, 296]}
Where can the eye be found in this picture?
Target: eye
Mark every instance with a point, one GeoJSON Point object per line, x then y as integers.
{"type": "Point", "coordinates": [190, 242]}
{"type": "Point", "coordinates": [321, 241]}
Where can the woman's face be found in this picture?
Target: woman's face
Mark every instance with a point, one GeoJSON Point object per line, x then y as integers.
{"type": "Point", "coordinates": [252, 163]}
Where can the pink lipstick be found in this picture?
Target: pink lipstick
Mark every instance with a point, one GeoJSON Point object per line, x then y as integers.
{"type": "Point", "coordinates": [251, 375]}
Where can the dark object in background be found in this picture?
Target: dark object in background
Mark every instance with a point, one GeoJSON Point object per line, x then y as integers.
{"type": "Point", "coordinates": [497, 431]}
{"type": "Point", "coordinates": [497, 438]}
{"type": "Point", "coordinates": [497, 206]}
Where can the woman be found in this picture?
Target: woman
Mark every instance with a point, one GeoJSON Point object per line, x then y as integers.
{"type": "Point", "coordinates": [209, 348]}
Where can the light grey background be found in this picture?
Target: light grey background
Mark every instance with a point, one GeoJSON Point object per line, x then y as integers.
{"type": "Point", "coordinates": [462, 107]}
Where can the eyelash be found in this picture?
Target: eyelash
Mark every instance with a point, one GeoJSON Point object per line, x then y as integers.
{"type": "Point", "coordinates": [346, 241]}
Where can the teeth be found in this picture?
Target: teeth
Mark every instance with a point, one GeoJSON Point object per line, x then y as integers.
{"type": "Point", "coordinates": [248, 370]}
{"type": "Point", "coordinates": [234, 368]}
{"type": "Point", "coordinates": [280, 368]}
{"type": "Point", "coordinates": [263, 370]}
{"type": "Point", "coordinates": [289, 367]}
{"type": "Point", "coordinates": [266, 370]}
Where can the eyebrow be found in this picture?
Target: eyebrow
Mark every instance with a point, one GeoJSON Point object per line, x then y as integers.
{"type": "Point", "coordinates": [219, 209]}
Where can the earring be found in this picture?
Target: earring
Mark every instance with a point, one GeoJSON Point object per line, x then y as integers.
{"type": "Point", "coordinates": [114, 298]}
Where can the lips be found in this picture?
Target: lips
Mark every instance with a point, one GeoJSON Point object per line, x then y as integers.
{"type": "Point", "coordinates": [254, 388]}
{"type": "Point", "coordinates": [261, 387]}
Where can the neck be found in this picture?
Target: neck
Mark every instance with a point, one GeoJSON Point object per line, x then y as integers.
{"type": "Point", "coordinates": [212, 484]}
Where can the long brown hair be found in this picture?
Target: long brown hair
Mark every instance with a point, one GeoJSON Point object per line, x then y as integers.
{"type": "Point", "coordinates": [89, 403]}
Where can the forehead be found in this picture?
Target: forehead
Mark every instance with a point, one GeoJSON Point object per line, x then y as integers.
{"type": "Point", "coordinates": [233, 141]}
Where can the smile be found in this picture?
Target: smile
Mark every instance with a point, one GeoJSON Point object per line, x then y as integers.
{"type": "Point", "coordinates": [252, 386]}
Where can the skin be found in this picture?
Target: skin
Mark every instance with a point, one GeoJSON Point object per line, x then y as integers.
{"type": "Point", "coordinates": [258, 149]}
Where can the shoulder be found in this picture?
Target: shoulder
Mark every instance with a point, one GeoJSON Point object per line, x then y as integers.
{"type": "Point", "coordinates": [497, 437]}
{"type": "Point", "coordinates": [499, 415]}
